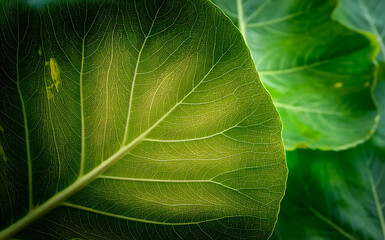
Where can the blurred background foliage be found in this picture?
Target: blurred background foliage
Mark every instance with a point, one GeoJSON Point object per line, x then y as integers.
{"type": "Point", "coordinates": [336, 186]}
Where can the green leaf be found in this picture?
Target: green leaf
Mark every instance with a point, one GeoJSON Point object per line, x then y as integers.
{"type": "Point", "coordinates": [334, 195]}
{"type": "Point", "coordinates": [379, 137]}
{"type": "Point", "coordinates": [341, 195]}
{"type": "Point", "coordinates": [134, 120]}
{"type": "Point", "coordinates": [368, 16]}
{"type": "Point", "coordinates": [314, 68]}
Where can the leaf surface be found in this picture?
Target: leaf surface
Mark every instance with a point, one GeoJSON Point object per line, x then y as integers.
{"type": "Point", "coordinates": [314, 68]}
{"type": "Point", "coordinates": [134, 120]}
{"type": "Point", "coordinates": [365, 16]}
{"type": "Point", "coordinates": [368, 16]}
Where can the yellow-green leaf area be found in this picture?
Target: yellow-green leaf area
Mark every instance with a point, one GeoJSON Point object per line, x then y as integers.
{"type": "Point", "coordinates": [53, 80]}
{"type": "Point", "coordinates": [139, 119]}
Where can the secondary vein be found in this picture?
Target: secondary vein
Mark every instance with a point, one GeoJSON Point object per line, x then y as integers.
{"type": "Point", "coordinates": [134, 79]}
{"type": "Point", "coordinates": [135, 219]}
{"type": "Point", "coordinates": [273, 21]}
{"type": "Point", "coordinates": [333, 225]}
{"type": "Point", "coordinates": [26, 131]}
{"type": "Point", "coordinates": [83, 141]}
{"type": "Point", "coordinates": [107, 90]}
{"type": "Point", "coordinates": [293, 69]}
{"type": "Point", "coordinates": [309, 110]}
{"type": "Point", "coordinates": [377, 203]}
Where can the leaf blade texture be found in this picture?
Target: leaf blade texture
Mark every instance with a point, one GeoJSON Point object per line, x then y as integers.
{"type": "Point", "coordinates": [138, 119]}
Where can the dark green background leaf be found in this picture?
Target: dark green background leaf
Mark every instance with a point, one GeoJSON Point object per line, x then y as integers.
{"type": "Point", "coordinates": [334, 195]}
{"type": "Point", "coordinates": [134, 119]}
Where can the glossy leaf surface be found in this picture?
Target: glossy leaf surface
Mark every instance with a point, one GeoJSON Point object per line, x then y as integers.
{"type": "Point", "coordinates": [341, 195]}
{"type": "Point", "coordinates": [337, 195]}
{"type": "Point", "coordinates": [134, 120]}
{"type": "Point", "coordinates": [314, 68]}
{"type": "Point", "coordinates": [368, 16]}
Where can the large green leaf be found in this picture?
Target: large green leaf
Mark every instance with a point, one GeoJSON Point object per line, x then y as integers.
{"type": "Point", "coordinates": [134, 120]}
{"type": "Point", "coordinates": [314, 68]}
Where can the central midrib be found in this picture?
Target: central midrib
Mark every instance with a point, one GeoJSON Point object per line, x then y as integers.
{"type": "Point", "coordinates": [80, 183]}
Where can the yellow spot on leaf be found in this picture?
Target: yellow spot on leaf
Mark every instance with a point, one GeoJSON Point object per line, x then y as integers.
{"type": "Point", "coordinates": [302, 145]}
{"type": "Point", "coordinates": [55, 73]}
{"type": "Point", "coordinates": [54, 78]}
{"type": "Point", "coordinates": [367, 84]}
{"type": "Point", "coordinates": [338, 84]}
{"type": "Point", "coordinates": [39, 52]}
